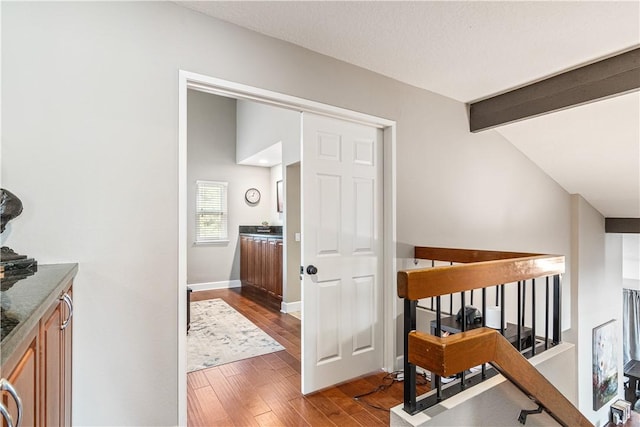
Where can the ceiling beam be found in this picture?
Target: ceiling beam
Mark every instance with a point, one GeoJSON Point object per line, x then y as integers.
{"type": "Point", "coordinates": [622, 225]}
{"type": "Point", "coordinates": [609, 77]}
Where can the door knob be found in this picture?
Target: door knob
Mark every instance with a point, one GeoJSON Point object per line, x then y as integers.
{"type": "Point", "coordinates": [312, 269]}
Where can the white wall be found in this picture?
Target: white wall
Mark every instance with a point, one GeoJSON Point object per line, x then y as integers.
{"type": "Point", "coordinates": [597, 294]}
{"type": "Point", "coordinates": [211, 150]}
{"type": "Point", "coordinates": [631, 260]}
{"type": "Point", "coordinates": [292, 255]}
{"type": "Point", "coordinates": [275, 175]}
{"type": "Point", "coordinates": [260, 126]}
{"type": "Point", "coordinates": [90, 115]}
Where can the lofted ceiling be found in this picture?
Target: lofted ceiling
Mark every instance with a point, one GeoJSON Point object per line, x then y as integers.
{"type": "Point", "coordinates": [475, 49]}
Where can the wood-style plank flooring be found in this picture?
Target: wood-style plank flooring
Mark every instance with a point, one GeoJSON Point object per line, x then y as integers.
{"type": "Point", "coordinates": [265, 390]}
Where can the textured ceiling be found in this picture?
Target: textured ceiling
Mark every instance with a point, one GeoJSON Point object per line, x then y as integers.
{"type": "Point", "coordinates": [472, 50]}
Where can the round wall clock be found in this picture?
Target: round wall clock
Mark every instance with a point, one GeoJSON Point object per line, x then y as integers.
{"type": "Point", "coordinates": [252, 196]}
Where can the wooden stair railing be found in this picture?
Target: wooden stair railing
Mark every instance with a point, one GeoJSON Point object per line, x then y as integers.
{"type": "Point", "coordinates": [436, 281]}
{"type": "Point", "coordinates": [478, 269]}
{"type": "Point", "coordinates": [457, 353]}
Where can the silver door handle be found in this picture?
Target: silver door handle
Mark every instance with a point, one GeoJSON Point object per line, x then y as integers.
{"type": "Point", "coordinates": [67, 299]}
{"type": "Point", "coordinates": [6, 415]}
{"type": "Point", "coordinates": [8, 387]}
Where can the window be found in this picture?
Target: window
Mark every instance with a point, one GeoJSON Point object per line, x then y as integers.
{"type": "Point", "coordinates": [211, 211]}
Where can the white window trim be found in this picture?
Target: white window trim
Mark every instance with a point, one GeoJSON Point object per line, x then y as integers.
{"type": "Point", "coordinates": [198, 240]}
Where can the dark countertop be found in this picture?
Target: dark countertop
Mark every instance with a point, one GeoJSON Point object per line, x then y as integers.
{"type": "Point", "coordinates": [273, 231]}
{"type": "Point", "coordinates": [24, 303]}
{"type": "Point", "coordinates": [269, 235]}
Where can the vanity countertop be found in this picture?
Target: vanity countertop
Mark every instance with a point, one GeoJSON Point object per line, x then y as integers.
{"type": "Point", "coordinates": [269, 235]}
{"type": "Point", "coordinates": [26, 301]}
{"type": "Point", "coordinates": [273, 231]}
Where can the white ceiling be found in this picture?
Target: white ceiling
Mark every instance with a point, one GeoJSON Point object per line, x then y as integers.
{"type": "Point", "coordinates": [472, 50]}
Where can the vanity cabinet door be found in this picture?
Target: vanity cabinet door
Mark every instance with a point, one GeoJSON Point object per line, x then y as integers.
{"type": "Point", "coordinates": [53, 369]}
{"type": "Point", "coordinates": [244, 259]}
{"type": "Point", "coordinates": [67, 347]}
{"type": "Point", "coordinates": [56, 362]}
{"type": "Point", "coordinates": [255, 262]}
{"type": "Point", "coordinates": [23, 378]}
{"type": "Point", "coordinates": [277, 265]}
{"type": "Point", "coordinates": [261, 268]}
{"type": "Point", "coordinates": [273, 268]}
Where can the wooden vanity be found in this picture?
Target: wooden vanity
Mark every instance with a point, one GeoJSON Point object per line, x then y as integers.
{"type": "Point", "coordinates": [261, 266]}
{"type": "Point", "coordinates": [36, 345]}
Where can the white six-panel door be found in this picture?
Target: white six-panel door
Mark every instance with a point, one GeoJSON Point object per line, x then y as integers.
{"type": "Point", "coordinates": [342, 237]}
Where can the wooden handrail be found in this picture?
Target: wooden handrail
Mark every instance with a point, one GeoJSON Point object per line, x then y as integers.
{"type": "Point", "coordinates": [480, 269]}
{"type": "Point", "coordinates": [459, 352]}
{"type": "Point", "coordinates": [465, 255]}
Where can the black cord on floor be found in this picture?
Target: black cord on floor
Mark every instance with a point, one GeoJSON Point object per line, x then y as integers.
{"type": "Point", "coordinates": [387, 381]}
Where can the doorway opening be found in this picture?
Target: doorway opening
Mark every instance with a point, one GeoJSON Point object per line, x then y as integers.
{"type": "Point", "coordinates": [197, 82]}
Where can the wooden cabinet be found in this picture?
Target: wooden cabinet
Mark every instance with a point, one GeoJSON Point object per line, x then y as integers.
{"type": "Point", "coordinates": [51, 348]}
{"type": "Point", "coordinates": [272, 278]}
{"type": "Point", "coordinates": [261, 268]}
{"type": "Point", "coordinates": [67, 359]}
{"type": "Point", "coordinates": [21, 372]}
{"type": "Point", "coordinates": [39, 369]}
{"type": "Point", "coordinates": [56, 361]}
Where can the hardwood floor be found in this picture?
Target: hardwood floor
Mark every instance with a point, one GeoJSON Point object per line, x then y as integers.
{"type": "Point", "coordinates": [265, 390]}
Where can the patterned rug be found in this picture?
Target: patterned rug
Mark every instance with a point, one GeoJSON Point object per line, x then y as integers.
{"type": "Point", "coordinates": [219, 335]}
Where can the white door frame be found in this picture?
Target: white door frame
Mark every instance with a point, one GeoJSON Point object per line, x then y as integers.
{"type": "Point", "coordinates": [189, 80]}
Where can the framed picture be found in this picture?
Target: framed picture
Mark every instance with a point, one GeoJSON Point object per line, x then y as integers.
{"type": "Point", "coordinates": [279, 196]}
{"type": "Point", "coordinates": [605, 364]}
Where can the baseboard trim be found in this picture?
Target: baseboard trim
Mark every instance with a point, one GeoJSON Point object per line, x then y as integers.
{"type": "Point", "coordinates": [225, 284]}
{"type": "Point", "coordinates": [288, 307]}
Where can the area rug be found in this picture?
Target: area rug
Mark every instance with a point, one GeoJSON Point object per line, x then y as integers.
{"type": "Point", "coordinates": [219, 335]}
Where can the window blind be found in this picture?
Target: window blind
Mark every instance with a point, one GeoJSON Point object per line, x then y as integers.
{"type": "Point", "coordinates": [211, 211]}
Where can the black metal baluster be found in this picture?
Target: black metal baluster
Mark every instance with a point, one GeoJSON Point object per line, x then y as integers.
{"type": "Point", "coordinates": [519, 335]}
{"type": "Point", "coordinates": [451, 299]}
{"type": "Point", "coordinates": [546, 315]}
{"type": "Point", "coordinates": [433, 264]}
{"type": "Point", "coordinates": [409, 368]}
{"type": "Point", "coordinates": [437, 378]}
{"type": "Point", "coordinates": [524, 299]}
{"type": "Point", "coordinates": [464, 328]}
{"type": "Point", "coordinates": [502, 310]}
{"type": "Point", "coordinates": [484, 323]}
{"type": "Point", "coordinates": [533, 317]}
{"type": "Point", "coordinates": [557, 327]}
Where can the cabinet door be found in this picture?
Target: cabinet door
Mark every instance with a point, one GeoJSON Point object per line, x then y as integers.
{"type": "Point", "coordinates": [244, 259]}
{"type": "Point", "coordinates": [269, 284]}
{"type": "Point", "coordinates": [67, 347]}
{"type": "Point", "coordinates": [51, 348]}
{"type": "Point", "coordinates": [253, 266]}
{"type": "Point", "coordinates": [273, 268]}
{"type": "Point", "coordinates": [255, 269]}
{"type": "Point", "coordinates": [265, 265]}
{"type": "Point", "coordinates": [277, 266]}
{"type": "Point", "coordinates": [24, 378]}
